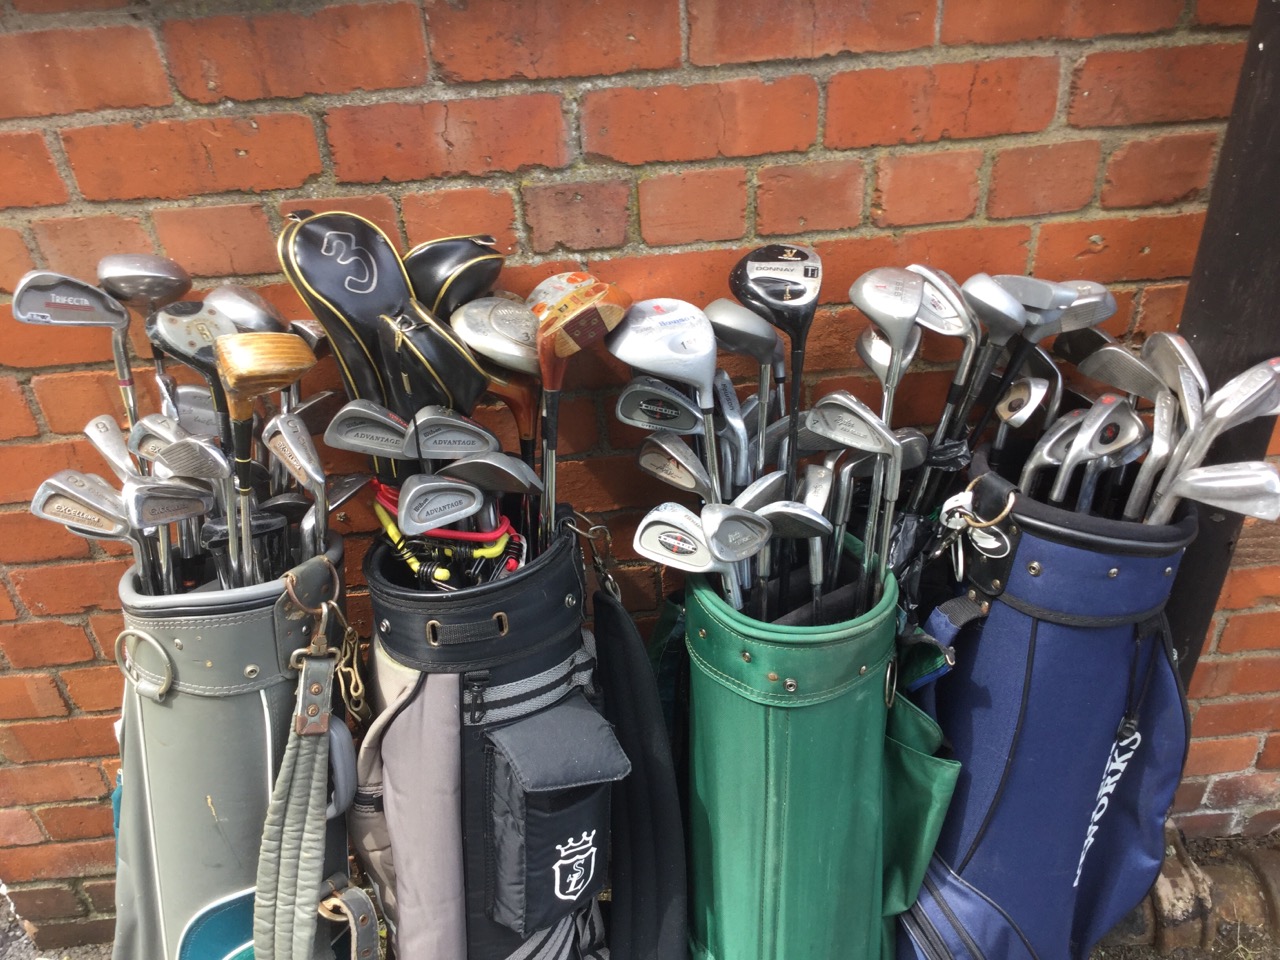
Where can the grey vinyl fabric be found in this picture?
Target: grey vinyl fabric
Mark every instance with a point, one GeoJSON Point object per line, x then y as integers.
{"type": "Point", "coordinates": [207, 707]}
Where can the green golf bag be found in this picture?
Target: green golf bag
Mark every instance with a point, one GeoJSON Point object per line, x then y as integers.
{"type": "Point", "coordinates": [813, 798]}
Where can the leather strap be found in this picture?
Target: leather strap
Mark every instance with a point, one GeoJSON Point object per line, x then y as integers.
{"type": "Point", "coordinates": [345, 903]}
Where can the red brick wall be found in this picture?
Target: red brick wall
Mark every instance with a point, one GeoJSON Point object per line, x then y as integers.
{"type": "Point", "coordinates": [652, 142]}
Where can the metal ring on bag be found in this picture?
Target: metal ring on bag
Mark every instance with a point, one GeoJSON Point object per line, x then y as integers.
{"type": "Point", "coordinates": [891, 683]}
{"type": "Point", "coordinates": [503, 624]}
{"type": "Point", "coordinates": [976, 522]}
{"type": "Point", "coordinates": [145, 687]}
{"type": "Point", "coordinates": [290, 580]}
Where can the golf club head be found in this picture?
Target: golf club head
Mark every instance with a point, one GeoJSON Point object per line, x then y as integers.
{"type": "Point", "coordinates": [998, 309]}
{"type": "Point", "coordinates": [574, 310]}
{"type": "Point", "coordinates": [666, 456]}
{"type": "Point", "coordinates": [44, 298]}
{"type": "Point", "coordinates": [878, 356]}
{"type": "Point", "coordinates": [1251, 487]}
{"type": "Point", "coordinates": [494, 471]}
{"type": "Point", "coordinates": [186, 330]}
{"type": "Point", "coordinates": [891, 299]}
{"type": "Point", "coordinates": [1075, 345]}
{"type": "Point", "coordinates": [1168, 352]}
{"type": "Point", "coordinates": [1109, 425]}
{"type": "Point", "coordinates": [143, 281]}
{"type": "Point", "coordinates": [288, 437]}
{"type": "Point", "coordinates": [780, 281]}
{"type": "Point", "coordinates": [72, 498]}
{"type": "Point", "coordinates": [742, 331]}
{"type": "Point", "coordinates": [196, 411]}
{"type": "Point", "coordinates": [438, 433]}
{"type": "Point", "coordinates": [314, 333]}
{"type": "Point", "coordinates": [108, 439]}
{"type": "Point", "coordinates": [672, 534]}
{"type": "Point", "coordinates": [254, 364]}
{"type": "Point", "coordinates": [844, 418]}
{"type": "Point", "coordinates": [650, 404]}
{"type": "Point", "coordinates": [152, 434]}
{"type": "Point", "coordinates": [793, 520]}
{"type": "Point", "coordinates": [429, 502]}
{"type": "Point", "coordinates": [1037, 294]}
{"type": "Point", "coordinates": [501, 331]}
{"type": "Point", "coordinates": [915, 447]}
{"type": "Point", "coordinates": [1021, 400]}
{"type": "Point", "coordinates": [246, 309]}
{"type": "Point", "coordinates": [363, 426]}
{"type": "Point", "coordinates": [762, 490]}
{"type": "Point", "coordinates": [814, 489]}
{"type": "Point", "coordinates": [1164, 425]}
{"type": "Point", "coordinates": [154, 503]}
{"type": "Point", "coordinates": [944, 310]}
{"type": "Point", "coordinates": [734, 535]}
{"type": "Point", "coordinates": [1050, 448]}
{"type": "Point", "coordinates": [199, 458]}
{"type": "Point", "coordinates": [670, 339]}
{"type": "Point", "coordinates": [1115, 366]}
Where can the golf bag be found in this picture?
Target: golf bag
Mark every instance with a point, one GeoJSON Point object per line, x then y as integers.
{"type": "Point", "coordinates": [1068, 717]}
{"type": "Point", "coordinates": [814, 797]}
{"type": "Point", "coordinates": [487, 776]}
{"type": "Point", "coordinates": [204, 821]}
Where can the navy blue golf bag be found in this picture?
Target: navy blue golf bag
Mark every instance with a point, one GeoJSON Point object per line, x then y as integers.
{"type": "Point", "coordinates": [1069, 719]}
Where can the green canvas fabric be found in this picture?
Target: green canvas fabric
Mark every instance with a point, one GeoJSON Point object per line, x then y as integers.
{"type": "Point", "coordinates": [813, 805]}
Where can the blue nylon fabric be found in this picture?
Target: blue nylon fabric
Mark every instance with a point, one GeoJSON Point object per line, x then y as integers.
{"type": "Point", "coordinates": [1032, 710]}
{"type": "Point", "coordinates": [945, 900]}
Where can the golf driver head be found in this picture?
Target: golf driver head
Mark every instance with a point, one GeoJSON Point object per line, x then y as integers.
{"type": "Point", "coordinates": [143, 281]}
{"type": "Point", "coordinates": [501, 331]}
{"type": "Point", "coordinates": [246, 309]}
{"type": "Point", "coordinates": [891, 299]}
{"type": "Point", "coordinates": [742, 331]}
{"type": "Point", "coordinates": [878, 356]}
{"type": "Point", "coordinates": [186, 330]}
{"type": "Point", "coordinates": [780, 281]}
{"type": "Point", "coordinates": [670, 339]}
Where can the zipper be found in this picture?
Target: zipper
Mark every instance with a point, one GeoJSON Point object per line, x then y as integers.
{"type": "Point", "coordinates": [965, 937]}
{"type": "Point", "coordinates": [922, 933]}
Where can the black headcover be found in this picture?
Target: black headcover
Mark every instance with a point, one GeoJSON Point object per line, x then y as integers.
{"type": "Point", "coordinates": [349, 274]}
{"type": "Point", "coordinates": [448, 272]}
{"type": "Point", "coordinates": [427, 363]}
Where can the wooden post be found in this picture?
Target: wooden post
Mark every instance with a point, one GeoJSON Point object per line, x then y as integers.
{"type": "Point", "coordinates": [1232, 315]}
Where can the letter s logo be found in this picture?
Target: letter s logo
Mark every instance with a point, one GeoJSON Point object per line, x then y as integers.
{"type": "Point", "coordinates": [343, 248]}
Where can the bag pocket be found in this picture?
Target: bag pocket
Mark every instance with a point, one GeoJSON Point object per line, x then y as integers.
{"type": "Point", "coordinates": [549, 777]}
{"type": "Point", "coordinates": [955, 921]}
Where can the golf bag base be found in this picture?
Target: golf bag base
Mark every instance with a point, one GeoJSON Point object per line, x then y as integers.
{"type": "Point", "coordinates": [487, 777]}
{"type": "Point", "coordinates": [1067, 714]}
{"type": "Point", "coordinates": [208, 705]}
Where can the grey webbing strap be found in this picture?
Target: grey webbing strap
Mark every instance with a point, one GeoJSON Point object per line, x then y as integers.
{"type": "Point", "coordinates": [528, 694]}
{"type": "Point", "coordinates": [291, 861]}
{"type": "Point", "coordinates": [352, 905]}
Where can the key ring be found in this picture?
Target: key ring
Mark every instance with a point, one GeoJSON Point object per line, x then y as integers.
{"type": "Point", "coordinates": [976, 522]}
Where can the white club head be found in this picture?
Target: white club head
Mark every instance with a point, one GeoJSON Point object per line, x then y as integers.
{"type": "Point", "coordinates": [672, 534]}
{"type": "Point", "coordinates": [670, 339]}
{"type": "Point", "coordinates": [500, 330]}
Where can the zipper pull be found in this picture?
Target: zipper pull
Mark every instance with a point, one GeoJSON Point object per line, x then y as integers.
{"type": "Point", "coordinates": [475, 683]}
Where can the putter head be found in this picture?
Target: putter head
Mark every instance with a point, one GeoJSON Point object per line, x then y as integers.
{"type": "Point", "coordinates": [501, 331]}
{"type": "Point", "coordinates": [429, 503]}
{"type": "Point", "coordinates": [143, 281]}
{"type": "Point", "coordinates": [666, 456]}
{"type": "Point", "coordinates": [438, 433]}
{"type": "Point", "coordinates": [44, 298]}
{"type": "Point", "coordinates": [742, 331]}
{"type": "Point", "coordinates": [254, 364]}
{"type": "Point", "coordinates": [671, 339]}
{"type": "Point", "coordinates": [780, 281]}
{"type": "Point", "coordinates": [651, 404]}
{"type": "Point", "coordinates": [246, 309]}
{"type": "Point", "coordinates": [672, 534]}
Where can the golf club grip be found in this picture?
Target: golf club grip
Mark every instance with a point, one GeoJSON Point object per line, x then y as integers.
{"type": "Point", "coordinates": [242, 447]}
